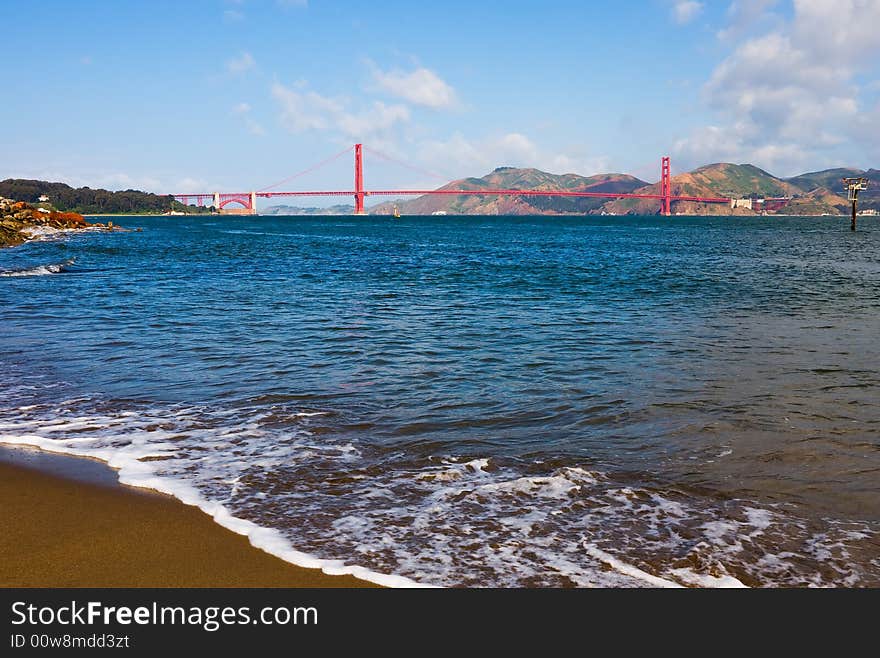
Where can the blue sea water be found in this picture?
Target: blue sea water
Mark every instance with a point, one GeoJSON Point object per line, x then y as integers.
{"type": "Point", "coordinates": [477, 401]}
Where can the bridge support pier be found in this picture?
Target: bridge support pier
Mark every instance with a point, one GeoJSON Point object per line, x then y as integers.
{"type": "Point", "coordinates": [217, 201]}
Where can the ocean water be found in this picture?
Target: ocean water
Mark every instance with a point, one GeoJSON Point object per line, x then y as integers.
{"type": "Point", "coordinates": [474, 401]}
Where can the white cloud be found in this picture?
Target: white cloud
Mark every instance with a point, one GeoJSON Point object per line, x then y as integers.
{"type": "Point", "coordinates": [123, 181]}
{"type": "Point", "coordinates": [514, 149]}
{"type": "Point", "coordinates": [867, 130]}
{"type": "Point", "coordinates": [420, 87]}
{"type": "Point", "coordinates": [254, 127]}
{"type": "Point", "coordinates": [232, 16]}
{"type": "Point", "coordinates": [787, 97]}
{"type": "Point", "coordinates": [243, 110]}
{"type": "Point", "coordinates": [188, 184]}
{"type": "Point", "coordinates": [119, 180]}
{"type": "Point", "coordinates": [744, 16]}
{"type": "Point", "coordinates": [379, 118]}
{"type": "Point", "coordinates": [454, 154]}
{"type": "Point", "coordinates": [734, 144]}
{"type": "Point", "coordinates": [241, 64]}
{"type": "Point", "coordinates": [840, 29]}
{"type": "Point", "coordinates": [684, 11]}
{"type": "Point", "coordinates": [517, 147]}
{"type": "Point", "coordinates": [583, 165]}
{"type": "Point", "coordinates": [389, 127]}
{"type": "Point", "coordinates": [304, 110]}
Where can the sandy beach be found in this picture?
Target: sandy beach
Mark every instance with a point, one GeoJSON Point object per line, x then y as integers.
{"type": "Point", "coordinates": [67, 522]}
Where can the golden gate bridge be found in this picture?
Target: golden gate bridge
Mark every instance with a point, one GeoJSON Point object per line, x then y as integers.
{"type": "Point", "coordinates": [247, 201]}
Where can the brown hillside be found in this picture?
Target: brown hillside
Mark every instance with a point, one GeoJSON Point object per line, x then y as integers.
{"type": "Point", "coordinates": [512, 178]}
{"type": "Point", "coordinates": [728, 181]}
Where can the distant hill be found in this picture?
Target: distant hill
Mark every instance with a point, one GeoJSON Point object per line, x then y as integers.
{"type": "Point", "coordinates": [722, 179]}
{"type": "Point", "coordinates": [812, 193]}
{"type": "Point", "coordinates": [341, 209]}
{"type": "Point", "coordinates": [87, 201]}
{"type": "Point", "coordinates": [870, 198]}
{"type": "Point", "coordinates": [512, 178]}
{"type": "Point", "coordinates": [815, 193]}
{"type": "Point", "coordinates": [830, 180]}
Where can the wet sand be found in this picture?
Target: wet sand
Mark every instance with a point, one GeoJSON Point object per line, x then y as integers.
{"type": "Point", "coordinates": [67, 522]}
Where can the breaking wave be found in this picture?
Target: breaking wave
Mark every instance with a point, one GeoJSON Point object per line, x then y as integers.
{"type": "Point", "coordinates": [41, 270]}
{"type": "Point", "coordinates": [400, 519]}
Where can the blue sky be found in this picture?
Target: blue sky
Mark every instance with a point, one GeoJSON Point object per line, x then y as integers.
{"type": "Point", "coordinates": [237, 94]}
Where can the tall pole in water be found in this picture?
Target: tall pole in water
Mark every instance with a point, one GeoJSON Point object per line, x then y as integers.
{"type": "Point", "coordinates": [853, 186]}
{"type": "Point", "coordinates": [852, 226]}
{"type": "Point", "coordinates": [358, 179]}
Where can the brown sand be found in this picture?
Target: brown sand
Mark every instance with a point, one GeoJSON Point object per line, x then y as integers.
{"type": "Point", "coordinates": [58, 531]}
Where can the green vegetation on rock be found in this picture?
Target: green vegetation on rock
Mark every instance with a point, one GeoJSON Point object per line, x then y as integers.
{"type": "Point", "coordinates": [87, 201]}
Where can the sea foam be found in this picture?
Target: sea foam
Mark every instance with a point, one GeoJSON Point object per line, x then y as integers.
{"type": "Point", "coordinates": [346, 506]}
{"type": "Point", "coordinates": [41, 270]}
{"type": "Point", "coordinates": [133, 471]}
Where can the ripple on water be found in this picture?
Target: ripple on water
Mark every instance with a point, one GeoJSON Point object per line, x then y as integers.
{"type": "Point", "coordinates": [547, 401]}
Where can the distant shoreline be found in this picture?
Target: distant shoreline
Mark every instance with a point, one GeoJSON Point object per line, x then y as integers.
{"type": "Point", "coordinates": [142, 214]}
{"type": "Point", "coordinates": [568, 215]}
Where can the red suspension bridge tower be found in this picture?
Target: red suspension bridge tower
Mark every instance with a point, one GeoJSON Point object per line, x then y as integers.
{"type": "Point", "coordinates": [359, 193]}
{"type": "Point", "coordinates": [665, 187]}
{"type": "Point", "coordinates": [248, 200]}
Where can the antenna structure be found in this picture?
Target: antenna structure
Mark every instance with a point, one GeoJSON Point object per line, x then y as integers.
{"type": "Point", "coordinates": [853, 186]}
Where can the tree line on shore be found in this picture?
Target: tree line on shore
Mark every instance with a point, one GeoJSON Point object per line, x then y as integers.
{"type": "Point", "coordinates": [88, 201]}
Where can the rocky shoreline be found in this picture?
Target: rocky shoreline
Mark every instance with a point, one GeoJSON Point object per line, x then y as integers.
{"type": "Point", "coordinates": [20, 221]}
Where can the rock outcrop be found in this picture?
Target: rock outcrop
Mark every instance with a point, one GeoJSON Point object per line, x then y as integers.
{"type": "Point", "coordinates": [20, 221]}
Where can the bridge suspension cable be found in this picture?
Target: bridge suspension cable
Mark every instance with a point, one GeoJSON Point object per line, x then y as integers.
{"type": "Point", "coordinates": [406, 165]}
{"type": "Point", "coordinates": [249, 200]}
{"type": "Point", "coordinates": [309, 169]}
